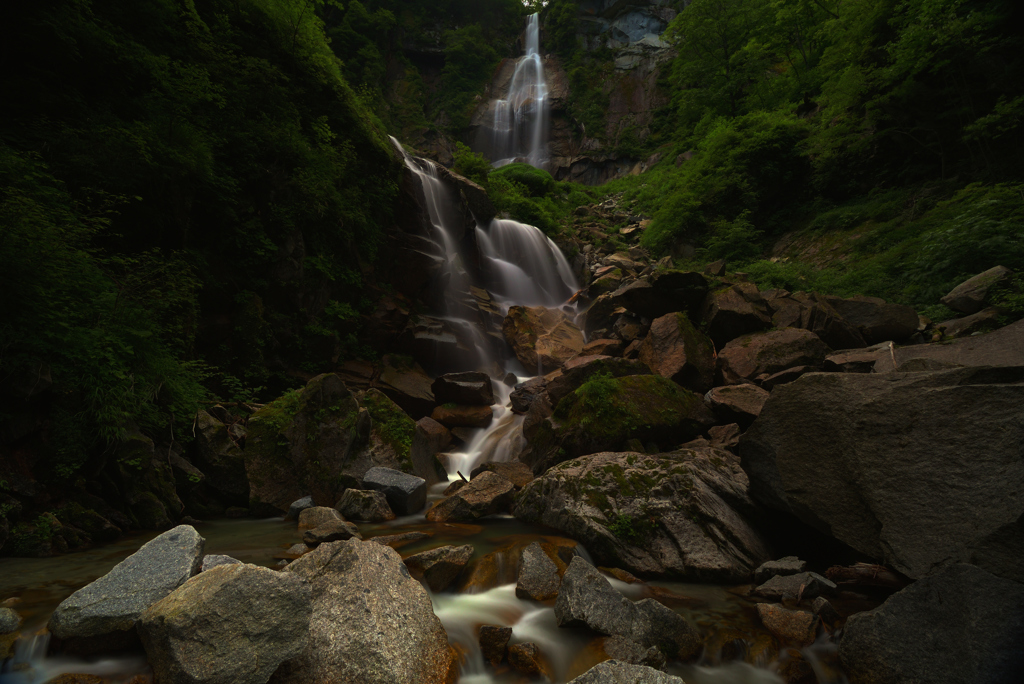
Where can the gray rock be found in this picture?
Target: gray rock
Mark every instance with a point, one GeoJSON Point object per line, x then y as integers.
{"type": "Point", "coordinates": [628, 651]}
{"type": "Point", "coordinates": [493, 642]}
{"type": "Point", "coordinates": [298, 506]}
{"type": "Point", "coordinates": [678, 514]}
{"type": "Point", "coordinates": [317, 516]}
{"type": "Point", "coordinates": [876, 319]}
{"type": "Point", "coordinates": [331, 531]}
{"type": "Point", "coordinates": [1002, 348]}
{"type": "Point", "coordinates": [662, 627]}
{"type": "Point", "coordinates": [232, 624]}
{"type": "Point", "coordinates": [105, 611]}
{"type": "Point", "coordinates": [406, 494]}
{"type": "Point", "coordinates": [804, 585]}
{"type": "Point", "coordinates": [439, 567]}
{"type": "Point", "coordinates": [895, 482]}
{"type": "Point", "coordinates": [10, 621]}
{"type": "Point", "coordinates": [615, 672]}
{"type": "Point", "coordinates": [471, 387]}
{"type": "Point", "coordinates": [486, 494]}
{"type": "Point", "coordinates": [961, 625]}
{"type": "Point", "coordinates": [372, 622]}
{"type": "Point", "coordinates": [969, 296]}
{"type": "Point", "coordinates": [826, 611]}
{"type": "Point", "coordinates": [981, 322]}
{"type": "Point", "coordinates": [214, 561]}
{"type": "Point", "coordinates": [538, 575]}
{"type": "Point", "coordinates": [430, 439]}
{"type": "Point", "coordinates": [365, 506]}
{"type": "Point", "coordinates": [790, 565]}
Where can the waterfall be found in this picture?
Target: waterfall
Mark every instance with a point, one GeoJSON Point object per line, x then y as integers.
{"type": "Point", "coordinates": [523, 266]}
{"type": "Point", "coordinates": [521, 120]}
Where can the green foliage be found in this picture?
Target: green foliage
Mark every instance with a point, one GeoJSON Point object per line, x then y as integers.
{"type": "Point", "coordinates": [468, 163]}
{"type": "Point", "coordinates": [532, 196]}
{"type": "Point", "coordinates": [537, 182]}
{"type": "Point", "coordinates": [392, 424]}
{"type": "Point", "coordinates": [469, 62]}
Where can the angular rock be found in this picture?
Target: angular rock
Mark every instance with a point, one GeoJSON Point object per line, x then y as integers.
{"type": "Point", "coordinates": [735, 311]}
{"type": "Point", "coordinates": [430, 439]}
{"type": "Point", "coordinates": [894, 482]}
{"type": "Point", "coordinates": [216, 560]}
{"type": "Point", "coordinates": [962, 625]}
{"type": "Point", "coordinates": [542, 339]}
{"type": "Point", "coordinates": [471, 388]}
{"type": "Point", "coordinates": [659, 626]}
{"type": "Point", "coordinates": [1001, 348]}
{"type": "Point", "coordinates": [577, 371]}
{"type": "Point", "coordinates": [234, 623]}
{"type": "Point", "coordinates": [516, 472]}
{"type": "Point", "coordinates": [628, 651]}
{"type": "Point", "coordinates": [219, 456]}
{"type": "Point", "coordinates": [739, 404]}
{"type": "Point", "coordinates": [970, 296]}
{"type": "Point", "coordinates": [788, 375]}
{"type": "Point", "coordinates": [317, 516]}
{"type": "Point", "coordinates": [103, 614]}
{"type": "Point", "coordinates": [725, 436]}
{"type": "Point", "coordinates": [876, 320]}
{"type": "Point", "coordinates": [677, 514]}
{"type": "Point", "coordinates": [790, 565]}
{"type": "Point", "coordinates": [538, 575]}
{"type": "Point", "coordinates": [364, 506]}
{"type": "Point", "coordinates": [858, 360]}
{"type": "Point", "coordinates": [408, 385]}
{"type": "Point", "coordinates": [802, 585]}
{"type": "Point", "coordinates": [748, 357]}
{"type": "Point", "coordinates": [980, 322]}
{"type": "Point", "coordinates": [792, 627]}
{"type": "Point", "coordinates": [406, 494]}
{"type": "Point", "coordinates": [306, 443]}
{"type": "Point", "coordinates": [486, 494]}
{"type": "Point", "coordinates": [675, 349]}
{"type": "Point", "coordinates": [825, 611]}
{"type": "Point", "coordinates": [372, 623]}
{"type": "Point", "coordinates": [603, 347]}
{"type": "Point", "coordinates": [811, 311]}
{"type": "Point", "coordinates": [493, 643]}
{"type": "Point", "coordinates": [397, 540]}
{"type": "Point", "coordinates": [615, 672]}
{"type": "Point", "coordinates": [525, 658]}
{"type": "Point", "coordinates": [453, 416]}
{"type": "Point", "coordinates": [298, 506]}
{"type": "Point", "coordinates": [331, 531]}
{"type": "Point", "coordinates": [439, 567]}
{"type": "Point", "coordinates": [9, 621]}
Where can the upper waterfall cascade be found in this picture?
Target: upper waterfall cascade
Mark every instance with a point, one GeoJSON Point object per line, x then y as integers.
{"type": "Point", "coordinates": [521, 119]}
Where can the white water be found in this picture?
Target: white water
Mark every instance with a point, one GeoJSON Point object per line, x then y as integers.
{"type": "Point", "coordinates": [524, 266]}
{"type": "Point", "coordinates": [521, 120]}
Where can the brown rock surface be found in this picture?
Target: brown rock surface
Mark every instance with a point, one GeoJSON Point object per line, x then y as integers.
{"type": "Point", "coordinates": [674, 348]}
{"type": "Point", "coordinates": [542, 338]}
{"type": "Point", "coordinates": [745, 358]}
{"type": "Point", "coordinates": [486, 494]}
{"type": "Point", "coordinates": [454, 415]}
{"type": "Point", "coordinates": [735, 311]}
{"type": "Point", "coordinates": [792, 627]}
{"type": "Point", "coordinates": [737, 403]}
{"type": "Point", "coordinates": [439, 567]}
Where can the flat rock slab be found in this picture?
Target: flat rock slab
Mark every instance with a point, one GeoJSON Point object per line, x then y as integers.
{"type": "Point", "coordinates": [106, 610]}
{"type": "Point", "coordinates": [331, 531]}
{"type": "Point", "coordinates": [803, 585]}
{"type": "Point", "coordinates": [472, 388]}
{"type": "Point", "coordinates": [486, 494]}
{"type": "Point", "coordinates": [739, 404]}
{"type": "Point", "coordinates": [406, 494]}
{"type": "Point", "coordinates": [230, 624]}
{"type": "Point", "coordinates": [616, 672]}
{"type": "Point", "coordinates": [790, 565]}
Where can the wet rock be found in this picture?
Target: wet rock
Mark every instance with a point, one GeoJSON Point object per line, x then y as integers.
{"type": "Point", "coordinates": [430, 439]}
{"type": "Point", "coordinates": [453, 415]}
{"type": "Point", "coordinates": [298, 506]}
{"type": "Point", "coordinates": [218, 454]}
{"type": "Point", "coordinates": [233, 623]}
{"type": "Point", "coordinates": [748, 357]}
{"type": "Point", "coordinates": [102, 615]}
{"type": "Point", "coordinates": [331, 531]}
{"type": "Point", "coordinates": [894, 483]}
{"type": "Point", "coordinates": [615, 672]}
{"type": "Point", "coordinates": [971, 295]}
{"type": "Point", "coordinates": [10, 621]}
{"type": "Point", "coordinates": [471, 388]}
{"type": "Point", "coordinates": [216, 560]}
{"type": "Point", "coordinates": [525, 393]}
{"type": "Point", "coordinates": [406, 494]}
{"type": "Point", "coordinates": [678, 514]}
{"type": "Point", "coordinates": [803, 585]}
{"type": "Point", "coordinates": [628, 651]}
{"type": "Point", "coordinates": [364, 506]}
{"type": "Point", "coordinates": [439, 567]}
{"type": "Point", "coordinates": [406, 384]}
{"type": "Point", "coordinates": [824, 610]}
{"type": "Point", "coordinates": [525, 658]}
{"type": "Point", "coordinates": [793, 627]}
{"type": "Point", "coordinates": [486, 494]}
{"type": "Point", "coordinates": [372, 622]}
{"type": "Point", "coordinates": [317, 516]}
{"type": "Point", "coordinates": [735, 311]}
{"type": "Point", "coordinates": [737, 403]}
{"type": "Point", "coordinates": [660, 626]}
{"type": "Point", "coordinates": [790, 565]}
{"type": "Point", "coordinates": [961, 625]}
{"type": "Point", "coordinates": [538, 575]}
{"type": "Point", "coordinates": [493, 642]}
{"type": "Point", "coordinates": [876, 320]}
{"type": "Point", "coordinates": [675, 349]}
{"type": "Point", "coordinates": [306, 443]}
{"type": "Point", "coordinates": [516, 472]}
{"type": "Point", "coordinates": [542, 338]}
{"type": "Point", "coordinates": [454, 487]}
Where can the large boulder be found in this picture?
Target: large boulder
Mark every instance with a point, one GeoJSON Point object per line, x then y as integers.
{"type": "Point", "coordinates": [876, 319]}
{"type": "Point", "coordinates": [662, 293]}
{"type": "Point", "coordinates": [542, 339]}
{"type": "Point", "coordinates": [471, 387]}
{"type": "Point", "coordinates": [406, 494]}
{"type": "Point", "coordinates": [486, 494]}
{"type": "Point", "coordinates": [914, 469]}
{"type": "Point", "coordinates": [429, 439]}
{"type": "Point", "coordinates": [607, 413]}
{"type": "Point", "coordinates": [305, 444]}
{"type": "Point", "coordinates": [219, 456]}
{"type": "Point", "coordinates": [811, 311]}
{"type": "Point", "coordinates": [102, 615]}
{"type": "Point", "coordinates": [439, 567]}
{"type": "Point", "coordinates": [959, 626]}
{"type": "Point", "coordinates": [1003, 347]}
{"type": "Point", "coordinates": [758, 356]}
{"type": "Point", "coordinates": [407, 384]}
{"type": "Point", "coordinates": [678, 514]}
{"type": "Point", "coordinates": [577, 371]}
{"type": "Point", "coordinates": [372, 622]}
{"type": "Point", "coordinates": [232, 623]}
{"type": "Point", "coordinates": [970, 296]}
{"type": "Point", "coordinates": [735, 311]}
{"type": "Point", "coordinates": [391, 433]}
{"type": "Point", "coordinates": [144, 483]}
{"type": "Point", "coordinates": [675, 349]}
{"type": "Point", "coordinates": [616, 672]}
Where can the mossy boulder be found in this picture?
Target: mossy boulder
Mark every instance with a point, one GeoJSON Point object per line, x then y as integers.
{"type": "Point", "coordinates": [145, 483]}
{"type": "Point", "coordinates": [676, 515]}
{"type": "Point", "coordinates": [218, 454]}
{"type": "Point", "coordinates": [606, 413]}
{"type": "Point", "coordinates": [391, 431]}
